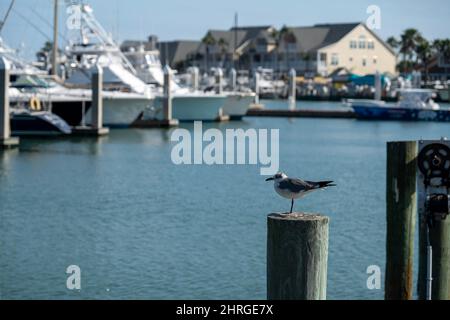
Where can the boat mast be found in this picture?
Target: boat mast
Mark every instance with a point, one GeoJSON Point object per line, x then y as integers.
{"type": "Point", "coordinates": [55, 39]}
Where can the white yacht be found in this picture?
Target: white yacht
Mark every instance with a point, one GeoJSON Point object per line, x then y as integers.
{"type": "Point", "coordinates": [125, 96]}
{"type": "Point", "coordinates": [189, 103]}
{"type": "Point", "coordinates": [32, 88]}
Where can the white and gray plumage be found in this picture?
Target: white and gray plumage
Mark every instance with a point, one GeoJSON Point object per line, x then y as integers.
{"type": "Point", "coordinates": [292, 189]}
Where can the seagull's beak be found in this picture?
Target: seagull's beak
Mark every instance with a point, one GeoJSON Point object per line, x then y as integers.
{"type": "Point", "coordinates": [270, 179]}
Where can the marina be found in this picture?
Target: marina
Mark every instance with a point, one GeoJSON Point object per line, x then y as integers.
{"type": "Point", "coordinates": [164, 170]}
{"type": "Point", "coordinates": [94, 209]}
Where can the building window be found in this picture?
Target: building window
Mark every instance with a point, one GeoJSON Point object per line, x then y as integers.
{"type": "Point", "coordinates": [353, 44]}
{"type": "Point", "coordinates": [375, 59]}
{"type": "Point", "coordinates": [364, 62]}
{"type": "Point", "coordinates": [334, 59]}
{"type": "Point", "coordinates": [371, 45]}
{"type": "Point", "coordinates": [351, 59]}
{"type": "Point", "coordinates": [362, 42]}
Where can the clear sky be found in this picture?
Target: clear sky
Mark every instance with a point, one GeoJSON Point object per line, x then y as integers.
{"type": "Point", "coordinates": [189, 19]}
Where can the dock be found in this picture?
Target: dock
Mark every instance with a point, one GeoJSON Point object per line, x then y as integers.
{"type": "Point", "coordinates": [301, 113]}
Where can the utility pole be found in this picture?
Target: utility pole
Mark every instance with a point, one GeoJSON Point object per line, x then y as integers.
{"type": "Point", "coordinates": [55, 40]}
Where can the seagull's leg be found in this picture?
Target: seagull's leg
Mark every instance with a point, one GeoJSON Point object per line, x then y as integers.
{"type": "Point", "coordinates": [292, 205]}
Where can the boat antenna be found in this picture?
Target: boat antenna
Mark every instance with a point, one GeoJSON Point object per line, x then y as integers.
{"type": "Point", "coordinates": [2, 22]}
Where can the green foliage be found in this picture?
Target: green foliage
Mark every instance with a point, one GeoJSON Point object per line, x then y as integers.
{"type": "Point", "coordinates": [415, 51]}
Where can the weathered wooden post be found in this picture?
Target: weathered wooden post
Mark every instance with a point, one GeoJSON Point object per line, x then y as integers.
{"type": "Point", "coordinates": [297, 256]}
{"type": "Point", "coordinates": [256, 76]}
{"type": "Point", "coordinates": [219, 81]}
{"type": "Point", "coordinates": [233, 79]}
{"type": "Point", "coordinates": [378, 86]}
{"type": "Point", "coordinates": [6, 141]}
{"type": "Point", "coordinates": [401, 217]}
{"type": "Point", "coordinates": [167, 93]}
{"type": "Point", "coordinates": [292, 89]}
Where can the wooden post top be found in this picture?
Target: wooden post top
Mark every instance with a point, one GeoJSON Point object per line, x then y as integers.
{"type": "Point", "coordinates": [298, 216]}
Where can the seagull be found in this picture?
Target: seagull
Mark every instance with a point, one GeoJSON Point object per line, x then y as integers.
{"type": "Point", "coordinates": [291, 188]}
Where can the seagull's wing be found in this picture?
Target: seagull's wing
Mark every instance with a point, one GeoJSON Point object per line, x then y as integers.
{"type": "Point", "coordinates": [321, 184]}
{"type": "Point", "coordinates": [295, 185]}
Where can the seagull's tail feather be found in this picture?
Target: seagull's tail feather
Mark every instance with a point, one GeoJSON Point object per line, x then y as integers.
{"type": "Point", "coordinates": [325, 184]}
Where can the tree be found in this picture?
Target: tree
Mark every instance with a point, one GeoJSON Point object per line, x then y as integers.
{"type": "Point", "coordinates": [223, 47]}
{"type": "Point", "coordinates": [393, 42]}
{"type": "Point", "coordinates": [424, 54]}
{"type": "Point", "coordinates": [275, 35]}
{"type": "Point", "coordinates": [408, 44]}
{"type": "Point", "coordinates": [208, 41]}
{"type": "Point", "coordinates": [442, 46]}
{"type": "Point", "coordinates": [286, 36]}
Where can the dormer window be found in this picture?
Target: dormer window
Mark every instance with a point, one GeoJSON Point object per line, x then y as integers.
{"type": "Point", "coordinates": [371, 44]}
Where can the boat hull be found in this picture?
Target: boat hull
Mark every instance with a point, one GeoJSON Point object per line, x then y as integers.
{"type": "Point", "coordinates": [400, 114]}
{"type": "Point", "coordinates": [121, 112]}
{"type": "Point", "coordinates": [193, 108]}
{"type": "Point", "coordinates": [41, 123]}
{"type": "Point", "coordinates": [237, 104]}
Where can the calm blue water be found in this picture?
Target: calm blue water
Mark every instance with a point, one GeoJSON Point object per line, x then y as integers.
{"type": "Point", "coordinates": [140, 227]}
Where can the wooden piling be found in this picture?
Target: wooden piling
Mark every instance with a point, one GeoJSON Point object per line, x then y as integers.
{"type": "Point", "coordinates": [378, 86]}
{"type": "Point", "coordinates": [297, 256]}
{"type": "Point", "coordinates": [6, 141]}
{"type": "Point", "coordinates": [194, 78]}
{"type": "Point", "coordinates": [219, 81]}
{"type": "Point", "coordinates": [257, 91]}
{"type": "Point", "coordinates": [401, 213]}
{"type": "Point", "coordinates": [292, 89]}
{"type": "Point", "coordinates": [233, 80]}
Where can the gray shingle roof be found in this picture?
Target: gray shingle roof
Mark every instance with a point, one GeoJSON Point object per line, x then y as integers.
{"type": "Point", "coordinates": [310, 39]}
{"type": "Point", "coordinates": [240, 36]}
{"type": "Point", "coordinates": [177, 51]}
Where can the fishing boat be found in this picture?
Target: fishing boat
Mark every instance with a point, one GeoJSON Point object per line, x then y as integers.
{"type": "Point", "coordinates": [413, 105]}
{"type": "Point", "coordinates": [188, 103]}
{"type": "Point", "coordinates": [125, 96]}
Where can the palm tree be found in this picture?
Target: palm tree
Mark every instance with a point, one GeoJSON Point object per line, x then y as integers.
{"type": "Point", "coordinates": [286, 36]}
{"type": "Point", "coordinates": [424, 55]}
{"type": "Point", "coordinates": [223, 46]}
{"type": "Point", "coordinates": [274, 34]}
{"type": "Point", "coordinates": [393, 42]}
{"type": "Point", "coordinates": [408, 44]}
{"type": "Point", "coordinates": [208, 41]}
{"type": "Point", "coordinates": [442, 47]}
